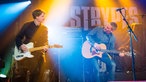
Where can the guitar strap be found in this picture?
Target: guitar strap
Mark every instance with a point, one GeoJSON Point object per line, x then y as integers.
{"type": "Point", "coordinates": [109, 56]}
{"type": "Point", "coordinates": [36, 35]}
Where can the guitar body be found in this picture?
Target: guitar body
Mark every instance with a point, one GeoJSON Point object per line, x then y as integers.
{"type": "Point", "coordinates": [88, 51]}
{"type": "Point", "coordinates": [18, 55]}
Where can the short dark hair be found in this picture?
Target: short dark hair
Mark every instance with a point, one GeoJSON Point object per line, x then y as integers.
{"type": "Point", "coordinates": [114, 25]}
{"type": "Point", "coordinates": [36, 13]}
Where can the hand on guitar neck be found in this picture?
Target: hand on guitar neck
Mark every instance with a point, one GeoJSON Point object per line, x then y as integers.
{"type": "Point", "coordinates": [122, 54]}
{"type": "Point", "coordinates": [45, 49]}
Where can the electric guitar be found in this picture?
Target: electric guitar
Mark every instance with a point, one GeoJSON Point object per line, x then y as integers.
{"type": "Point", "coordinates": [19, 55]}
{"type": "Point", "coordinates": [88, 51]}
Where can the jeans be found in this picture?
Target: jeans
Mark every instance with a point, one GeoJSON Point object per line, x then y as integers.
{"type": "Point", "coordinates": [110, 67]}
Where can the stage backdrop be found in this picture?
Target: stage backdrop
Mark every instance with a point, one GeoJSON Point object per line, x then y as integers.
{"type": "Point", "coordinates": [83, 16]}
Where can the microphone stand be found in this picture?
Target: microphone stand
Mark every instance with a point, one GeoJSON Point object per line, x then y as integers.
{"type": "Point", "coordinates": [131, 46]}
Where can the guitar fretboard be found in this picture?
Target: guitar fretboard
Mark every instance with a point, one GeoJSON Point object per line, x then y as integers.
{"type": "Point", "coordinates": [109, 51]}
{"type": "Point", "coordinates": [42, 47]}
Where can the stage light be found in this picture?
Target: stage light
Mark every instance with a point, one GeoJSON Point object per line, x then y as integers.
{"type": "Point", "coordinates": [2, 76]}
{"type": "Point", "coordinates": [10, 12]}
{"type": "Point", "coordinates": [12, 1]}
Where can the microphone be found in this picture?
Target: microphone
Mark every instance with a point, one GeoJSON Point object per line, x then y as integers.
{"type": "Point", "coordinates": [119, 9]}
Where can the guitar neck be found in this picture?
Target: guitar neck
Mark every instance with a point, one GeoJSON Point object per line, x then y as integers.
{"type": "Point", "coordinates": [40, 48]}
{"type": "Point", "coordinates": [110, 51]}
{"type": "Point", "coordinates": [35, 49]}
